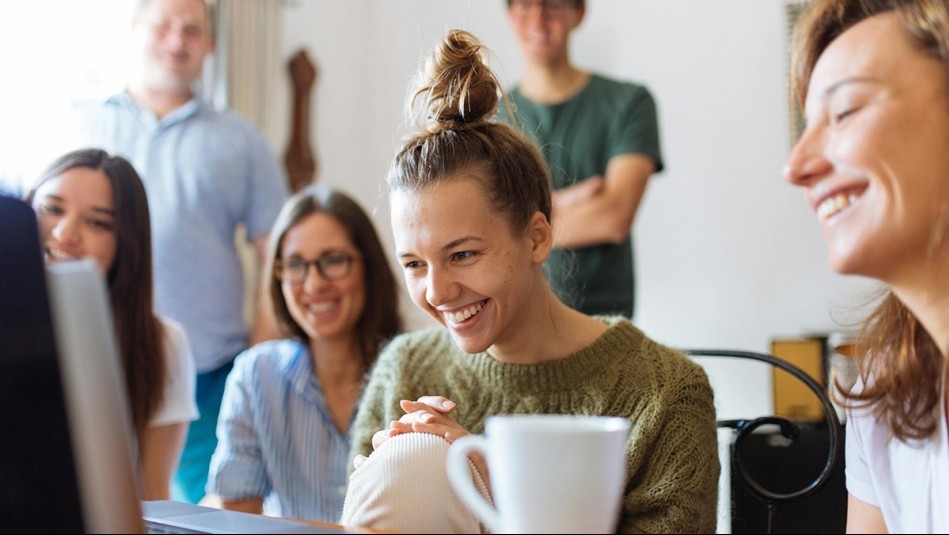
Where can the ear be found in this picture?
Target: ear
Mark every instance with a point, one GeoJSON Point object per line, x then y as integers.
{"type": "Point", "coordinates": [541, 237]}
{"type": "Point", "coordinates": [579, 13]}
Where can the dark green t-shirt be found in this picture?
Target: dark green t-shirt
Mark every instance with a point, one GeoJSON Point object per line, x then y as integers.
{"type": "Point", "coordinates": [578, 137]}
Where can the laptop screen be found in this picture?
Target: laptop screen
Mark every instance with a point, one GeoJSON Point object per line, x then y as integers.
{"type": "Point", "coordinates": [36, 464]}
{"type": "Point", "coordinates": [65, 450]}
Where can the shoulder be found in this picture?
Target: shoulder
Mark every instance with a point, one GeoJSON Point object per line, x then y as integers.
{"type": "Point", "coordinates": [605, 83]}
{"type": "Point", "coordinates": [269, 358]}
{"type": "Point", "coordinates": [641, 352]}
{"type": "Point", "coordinates": [178, 398]}
{"type": "Point", "coordinates": [228, 119]}
{"type": "Point", "coordinates": [628, 92]}
{"type": "Point", "coordinates": [227, 125]}
{"type": "Point", "coordinates": [176, 346]}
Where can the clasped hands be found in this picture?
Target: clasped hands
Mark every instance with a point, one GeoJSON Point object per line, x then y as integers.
{"type": "Point", "coordinates": [428, 414]}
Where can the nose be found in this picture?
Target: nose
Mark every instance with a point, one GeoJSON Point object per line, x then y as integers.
{"type": "Point", "coordinates": [66, 230]}
{"type": "Point", "coordinates": [440, 288]}
{"type": "Point", "coordinates": [808, 160]}
{"type": "Point", "coordinates": [313, 279]}
{"type": "Point", "coordinates": [175, 36]}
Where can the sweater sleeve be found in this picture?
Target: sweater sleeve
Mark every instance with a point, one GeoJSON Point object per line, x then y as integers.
{"type": "Point", "coordinates": [673, 480]}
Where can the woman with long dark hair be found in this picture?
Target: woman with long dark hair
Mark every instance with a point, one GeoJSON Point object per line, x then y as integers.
{"type": "Point", "coordinates": [91, 204]}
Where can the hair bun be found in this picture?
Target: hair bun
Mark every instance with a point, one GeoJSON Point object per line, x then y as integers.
{"type": "Point", "coordinates": [456, 89]}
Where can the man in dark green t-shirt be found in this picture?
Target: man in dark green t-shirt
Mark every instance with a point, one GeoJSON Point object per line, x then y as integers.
{"type": "Point", "coordinates": [600, 138]}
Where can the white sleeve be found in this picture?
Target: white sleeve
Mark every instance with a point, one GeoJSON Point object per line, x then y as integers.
{"type": "Point", "coordinates": [179, 403]}
{"type": "Point", "coordinates": [859, 450]}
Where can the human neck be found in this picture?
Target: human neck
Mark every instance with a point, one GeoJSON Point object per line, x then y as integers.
{"type": "Point", "coordinates": [337, 361]}
{"type": "Point", "coordinates": [926, 294]}
{"type": "Point", "coordinates": [552, 83]}
{"type": "Point", "coordinates": [549, 330]}
{"type": "Point", "coordinates": [159, 102]}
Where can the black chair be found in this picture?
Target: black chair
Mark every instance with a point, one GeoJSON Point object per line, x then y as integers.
{"type": "Point", "coordinates": [789, 429]}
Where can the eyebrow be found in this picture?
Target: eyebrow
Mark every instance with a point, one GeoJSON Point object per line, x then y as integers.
{"type": "Point", "coordinates": [448, 246]}
{"type": "Point", "coordinates": [846, 81]}
{"type": "Point", "coordinates": [326, 252]}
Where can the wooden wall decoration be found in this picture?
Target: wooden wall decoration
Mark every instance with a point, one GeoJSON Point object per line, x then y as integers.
{"type": "Point", "coordinates": [299, 159]}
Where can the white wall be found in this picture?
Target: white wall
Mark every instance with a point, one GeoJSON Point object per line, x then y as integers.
{"type": "Point", "coordinates": [728, 255]}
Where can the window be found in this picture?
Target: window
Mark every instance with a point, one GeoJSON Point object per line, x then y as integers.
{"type": "Point", "coordinates": [54, 52]}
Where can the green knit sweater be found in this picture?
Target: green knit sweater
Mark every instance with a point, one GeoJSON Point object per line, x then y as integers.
{"type": "Point", "coordinates": [672, 459]}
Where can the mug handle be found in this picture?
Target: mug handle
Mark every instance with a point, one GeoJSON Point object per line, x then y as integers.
{"type": "Point", "coordinates": [459, 476]}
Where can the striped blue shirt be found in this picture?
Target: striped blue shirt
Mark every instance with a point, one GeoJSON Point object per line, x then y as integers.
{"type": "Point", "coordinates": [276, 436]}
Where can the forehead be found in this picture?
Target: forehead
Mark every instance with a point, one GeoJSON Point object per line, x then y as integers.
{"type": "Point", "coordinates": [80, 185]}
{"type": "Point", "coordinates": [195, 11]}
{"type": "Point", "coordinates": [877, 48]}
{"type": "Point", "coordinates": [433, 217]}
{"type": "Point", "coordinates": [316, 232]}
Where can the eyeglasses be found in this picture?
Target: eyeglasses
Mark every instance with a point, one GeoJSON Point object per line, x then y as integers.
{"type": "Point", "coordinates": [331, 266]}
{"type": "Point", "coordinates": [520, 7]}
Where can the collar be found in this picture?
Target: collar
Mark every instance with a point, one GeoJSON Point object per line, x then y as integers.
{"type": "Point", "coordinates": [297, 367]}
{"type": "Point", "coordinates": [187, 110]}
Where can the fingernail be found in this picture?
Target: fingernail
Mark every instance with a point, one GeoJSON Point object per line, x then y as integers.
{"type": "Point", "coordinates": [448, 404]}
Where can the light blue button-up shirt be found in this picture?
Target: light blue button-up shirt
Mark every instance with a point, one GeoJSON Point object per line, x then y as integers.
{"type": "Point", "coordinates": [277, 438]}
{"type": "Point", "coordinates": [206, 172]}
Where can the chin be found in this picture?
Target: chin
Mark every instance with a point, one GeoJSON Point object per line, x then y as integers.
{"type": "Point", "coordinates": [468, 345]}
{"type": "Point", "coordinates": [848, 261]}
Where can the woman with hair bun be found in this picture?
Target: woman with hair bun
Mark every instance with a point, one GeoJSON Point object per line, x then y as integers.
{"type": "Point", "coordinates": [470, 206]}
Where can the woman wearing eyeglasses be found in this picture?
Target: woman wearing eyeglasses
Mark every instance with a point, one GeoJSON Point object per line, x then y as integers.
{"type": "Point", "coordinates": [284, 425]}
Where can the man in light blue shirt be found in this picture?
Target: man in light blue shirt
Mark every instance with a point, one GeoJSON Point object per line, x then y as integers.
{"type": "Point", "coordinates": [206, 173]}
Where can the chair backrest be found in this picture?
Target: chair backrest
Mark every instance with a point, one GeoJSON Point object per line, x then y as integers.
{"type": "Point", "coordinates": [733, 435]}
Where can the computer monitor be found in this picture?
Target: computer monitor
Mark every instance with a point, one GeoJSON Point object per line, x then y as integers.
{"type": "Point", "coordinates": [66, 462]}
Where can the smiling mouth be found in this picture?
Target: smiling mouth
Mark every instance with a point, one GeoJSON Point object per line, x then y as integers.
{"type": "Point", "coordinates": [319, 308]}
{"type": "Point", "coordinates": [835, 204]}
{"type": "Point", "coordinates": [457, 318]}
{"type": "Point", "coordinates": [56, 255]}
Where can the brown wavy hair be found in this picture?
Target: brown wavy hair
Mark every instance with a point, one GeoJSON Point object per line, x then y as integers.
{"type": "Point", "coordinates": [140, 333]}
{"type": "Point", "coordinates": [903, 360]}
{"type": "Point", "coordinates": [452, 107]}
{"type": "Point", "coordinates": [380, 319]}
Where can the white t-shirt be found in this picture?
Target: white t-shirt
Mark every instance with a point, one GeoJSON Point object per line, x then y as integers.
{"type": "Point", "coordinates": [908, 481]}
{"type": "Point", "coordinates": [178, 404]}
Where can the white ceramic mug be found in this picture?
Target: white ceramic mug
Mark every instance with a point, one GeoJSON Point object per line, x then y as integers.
{"type": "Point", "coordinates": [549, 473]}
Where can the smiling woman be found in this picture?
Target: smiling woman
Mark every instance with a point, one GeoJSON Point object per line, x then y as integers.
{"type": "Point", "coordinates": [873, 162]}
{"type": "Point", "coordinates": [285, 418]}
{"type": "Point", "coordinates": [90, 204]}
{"type": "Point", "coordinates": [506, 343]}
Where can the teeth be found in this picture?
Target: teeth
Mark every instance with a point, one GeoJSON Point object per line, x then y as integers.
{"type": "Point", "coordinates": [322, 307]}
{"type": "Point", "coordinates": [462, 315]}
{"type": "Point", "coordinates": [58, 254]}
{"type": "Point", "coordinates": [832, 205]}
